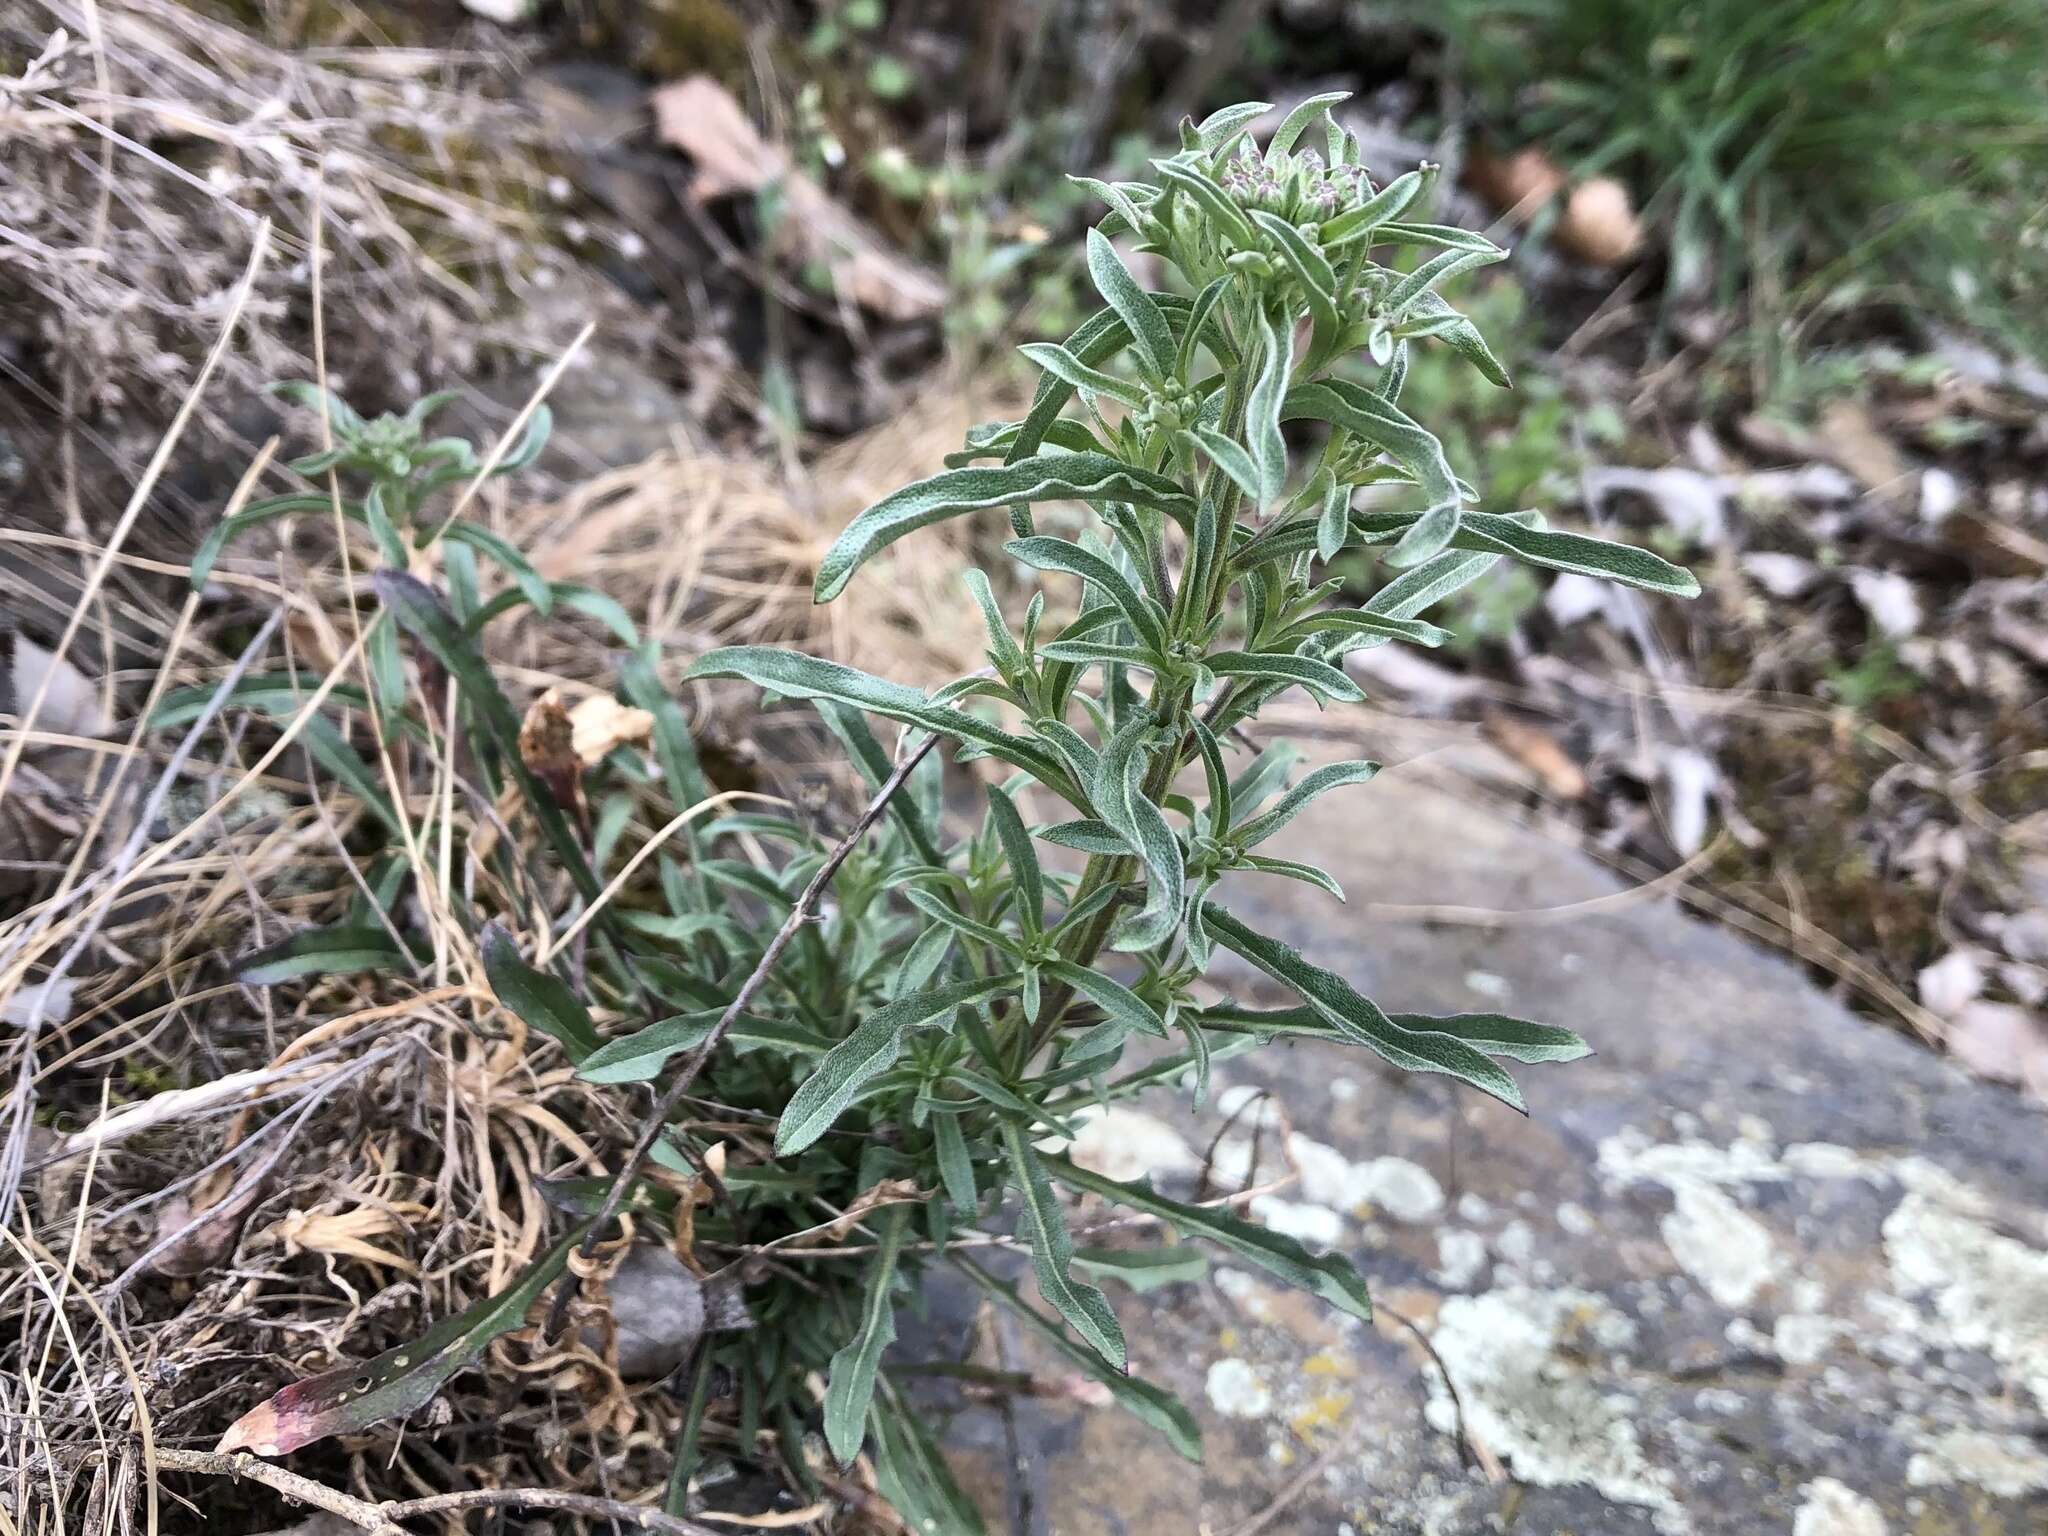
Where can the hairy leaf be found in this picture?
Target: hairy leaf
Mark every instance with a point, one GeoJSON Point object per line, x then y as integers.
{"type": "Point", "coordinates": [824, 1096]}
{"type": "Point", "coordinates": [1052, 1252]}
{"type": "Point", "coordinates": [1042, 477]}
{"type": "Point", "coordinates": [851, 1384]}
{"type": "Point", "coordinates": [1330, 1277]}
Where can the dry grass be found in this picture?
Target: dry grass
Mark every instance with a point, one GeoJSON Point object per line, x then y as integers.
{"type": "Point", "coordinates": [141, 147]}
{"type": "Point", "coordinates": [232, 1187]}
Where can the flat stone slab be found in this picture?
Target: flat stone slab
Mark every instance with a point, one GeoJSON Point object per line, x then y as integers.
{"type": "Point", "coordinates": [1757, 1266]}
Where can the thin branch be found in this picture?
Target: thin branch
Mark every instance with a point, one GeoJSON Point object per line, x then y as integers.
{"type": "Point", "coordinates": [645, 1516]}
{"type": "Point", "coordinates": [241, 1464]}
{"type": "Point", "coordinates": [679, 1085]}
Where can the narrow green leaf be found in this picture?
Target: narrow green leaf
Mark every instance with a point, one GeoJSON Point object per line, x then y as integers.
{"type": "Point", "coordinates": [1086, 837]}
{"type": "Point", "coordinates": [337, 951]}
{"type": "Point", "coordinates": [506, 555]}
{"type": "Point", "coordinates": [1062, 364]}
{"type": "Point", "coordinates": [1360, 223]}
{"type": "Point", "coordinates": [1042, 477]}
{"type": "Point", "coordinates": [1498, 1034]}
{"type": "Point", "coordinates": [851, 1379]}
{"type": "Point", "coordinates": [1331, 1277]}
{"type": "Point", "coordinates": [1214, 774]}
{"type": "Point", "coordinates": [1357, 1018]}
{"type": "Point", "coordinates": [1461, 335]}
{"type": "Point", "coordinates": [1333, 521]}
{"type": "Point", "coordinates": [1448, 236]}
{"type": "Point", "coordinates": [1319, 677]}
{"type": "Point", "coordinates": [1383, 424]}
{"type": "Point", "coordinates": [1290, 805]}
{"type": "Point", "coordinates": [637, 1057]}
{"type": "Point", "coordinates": [1145, 1269]}
{"type": "Point", "coordinates": [1148, 1404]}
{"type": "Point", "coordinates": [1438, 269]}
{"type": "Point", "coordinates": [1363, 621]}
{"type": "Point", "coordinates": [1301, 118]}
{"type": "Point", "coordinates": [1575, 552]}
{"type": "Point", "coordinates": [956, 1168]}
{"type": "Point", "coordinates": [1150, 338]}
{"type": "Point", "coordinates": [1230, 456]}
{"type": "Point", "coordinates": [1289, 869]}
{"type": "Point", "coordinates": [1311, 270]}
{"type": "Point", "coordinates": [1003, 649]}
{"type": "Point", "coordinates": [872, 1047]}
{"type": "Point", "coordinates": [1023, 860]}
{"type": "Point", "coordinates": [543, 1001]}
{"type": "Point", "coordinates": [806, 677]}
{"type": "Point", "coordinates": [1428, 584]}
{"type": "Point", "coordinates": [1052, 1252]}
{"type": "Point", "coordinates": [1216, 132]}
{"type": "Point", "coordinates": [1262, 415]}
{"type": "Point", "coordinates": [1116, 1000]}
{"type": "Point", "coordinates": [1141, 824]}
{"type": "Point", "coordinates": [1144, 615]}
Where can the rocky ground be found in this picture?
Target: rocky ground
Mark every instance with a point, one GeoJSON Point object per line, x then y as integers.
{"type": "Point", "coordinates": [1758, 1265]}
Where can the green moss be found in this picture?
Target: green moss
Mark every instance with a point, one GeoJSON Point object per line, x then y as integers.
{"type": "Point", "coordinates": [669, 39]}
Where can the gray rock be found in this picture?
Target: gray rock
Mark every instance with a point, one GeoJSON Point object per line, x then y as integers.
{"type": "Point", "coordinates": [1758, 1265]}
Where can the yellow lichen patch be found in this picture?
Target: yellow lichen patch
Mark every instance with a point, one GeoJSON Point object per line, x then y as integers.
{"type": "Point", "coordinates": [1324, 1411]}
{"type": "Point", "coordinates": [1324, 1364]}
{"type": "Point", "coordinates": [1227, 1339]}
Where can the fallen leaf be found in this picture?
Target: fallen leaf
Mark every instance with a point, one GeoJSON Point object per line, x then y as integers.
{"type": "Point", "coordinates": [887, 1192]}
{"type": "Point", "coordinates": [700, 117]}
{"type": "Point", "coordinates": [1539, 752]}
{"type": "Point", "coordinates": [347, 1234]}
{"type": "Point", "coordinates": [601, 723]}
{"type": "Point", "coordinates": [399, 1381]}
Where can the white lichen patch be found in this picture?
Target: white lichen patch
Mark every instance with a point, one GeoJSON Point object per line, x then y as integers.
{"type": "Point", "coordinates": [1125, 1144]}
{"type": "Point", "coordinates": [1316, 1225]}
{"type": "Point", "coordinates": [1461, 1255]}
{"type": "Point", "coordinates": [1989, 1291]}
{"type": "Point", "coordinates": [1829, 1508]}
{"type": "Point", "coordinates": [1524, 1397]}
{"type": "Point", "coordinates": [1801, 1338]}
{"type": "Point", "coordinates": [1722, 1246]}
{"type": "Point", "coordinates": [1390, 1186]}
{"type": "Point", "coordinates": [2004, 1466]}
{"type": "Point", "coordinates": [1237, 1391]}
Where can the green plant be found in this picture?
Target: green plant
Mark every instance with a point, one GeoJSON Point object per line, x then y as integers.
{"type": "Point", "coordinates": [1896, 146]}
{"type": "Point", "coordinates": [882, 1070]}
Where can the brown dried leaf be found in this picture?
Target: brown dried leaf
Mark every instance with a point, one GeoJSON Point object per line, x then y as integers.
{"type": "Point", "coordinates": [699, 116]}
{"type": "Point", "coordinates": [888, 1192]}
{"type": "Point", "coordinates": [547, 745]}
